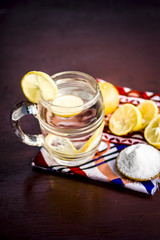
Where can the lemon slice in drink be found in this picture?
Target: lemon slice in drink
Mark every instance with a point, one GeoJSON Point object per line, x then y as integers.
{"type": "Point", "coordinates": [61, 145]}
{"type": "Point", "coordinates": [125, 119]}
{"type": "Point", "coordinates": [35, 82]}
{"type": "Point", "coordinates": [152, 132]}
{"type": "Point", "coordinates": [93, 141]}
{"type": "Point", "coordinates": [149, 110]}
{"type": "Point", "coordinates": [67, 105]}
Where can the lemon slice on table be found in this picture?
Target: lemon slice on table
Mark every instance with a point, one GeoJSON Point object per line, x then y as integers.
{"type": "Point", "coordinates": [152, 132]}
{"type": "Point", "coordinates": [61, 145]}
{"type": "Point", "coordinates": [35, 82]}
{"type": "Point", "coordinates": [149, 110]}
{"type": "Point", "coordinates": [67, 105]}
{"type": "Point", "coordinates": [93, 141]}
{"type": "Point", "coordinates": [125, 119]}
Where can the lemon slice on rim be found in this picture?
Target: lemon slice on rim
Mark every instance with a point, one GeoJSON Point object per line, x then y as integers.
{"type": "Point", "coordinates": [152, 132]}
{"type": "Point", "coordinates": [67, 105]}
{"type": "Point", "coordinates": [149, 110]}
{"type": "Point", "coordinates": [125, 119]}
{"type": "Point", "coordinates": [93, 141]}
{"type": "Point", "coordinates": [61, 145]}
{"type": "Point", "coordinates": [35, 82]}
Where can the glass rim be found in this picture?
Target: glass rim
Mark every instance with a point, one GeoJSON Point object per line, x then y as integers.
{"type": "Point", "coordinates": [86, 105]}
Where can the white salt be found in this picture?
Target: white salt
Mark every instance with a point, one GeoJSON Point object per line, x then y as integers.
{"type": "Point", "coordinates": [140, 161]}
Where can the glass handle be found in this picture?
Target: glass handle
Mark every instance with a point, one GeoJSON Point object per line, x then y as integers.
{"type": "Point", "coordinates": [19, 110]}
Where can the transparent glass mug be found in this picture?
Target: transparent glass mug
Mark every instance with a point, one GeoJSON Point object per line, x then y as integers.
{"type": "Point", "coordinates": [69, 140]}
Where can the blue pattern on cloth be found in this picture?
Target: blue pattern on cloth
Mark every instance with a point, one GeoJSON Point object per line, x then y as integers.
{"type": "Point", "coordinates": [149, 186]}
{"type": "Point", "coordinates": [117, 181]}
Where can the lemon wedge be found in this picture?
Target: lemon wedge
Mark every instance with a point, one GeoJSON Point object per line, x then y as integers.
{"type": "Point", "coordinates": [110, 96]}
{"type": "Point", "coordinates": [93, 141]}
{"type": "Point", "coordinates": [67, 105]}
{"type": "Point", "coordinates": [149, 110]}
{"type": "Point", "coordinates": [125, 119]}
{"type": "Point", "coordinates": [35, 82]}
{"type": "Point", "coordinates": [61, 145]}
{"type": "Point", "coordinates": [152, 132]}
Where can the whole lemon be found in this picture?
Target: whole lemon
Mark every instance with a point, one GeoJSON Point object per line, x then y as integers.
{"type": "Point", "coordinates": [110, 96]}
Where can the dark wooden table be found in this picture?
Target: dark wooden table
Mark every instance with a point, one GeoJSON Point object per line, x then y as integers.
{"type": "Point", "coordinates": [118, 41]}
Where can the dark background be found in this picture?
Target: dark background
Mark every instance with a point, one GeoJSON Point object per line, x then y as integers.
{"type": "Point", "coordinates": [118, 41]}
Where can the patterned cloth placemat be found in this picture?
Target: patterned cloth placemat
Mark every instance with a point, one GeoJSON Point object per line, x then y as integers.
{"type": "Point", "coordinates": [102, 167]}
